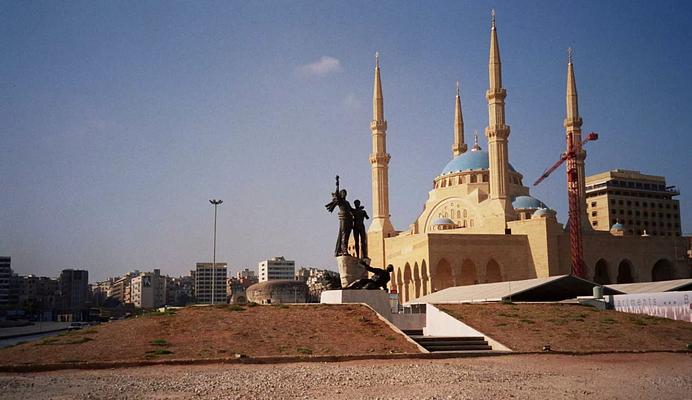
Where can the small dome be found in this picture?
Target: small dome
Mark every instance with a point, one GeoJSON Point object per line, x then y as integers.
{"type": "Point", "coordinates": [469, 161]}
{"type": "Point", "coordinates": [543, 212]}
{"type": "Point", "coordinates": [442, 221]}
{"type": "Point", "coordinates": [618, 227]}
{"type": "Point", "coordinates": [527, 202]}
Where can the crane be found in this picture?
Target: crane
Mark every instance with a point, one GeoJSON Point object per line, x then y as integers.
{"type": "Point", "coordinates": [570, 156]}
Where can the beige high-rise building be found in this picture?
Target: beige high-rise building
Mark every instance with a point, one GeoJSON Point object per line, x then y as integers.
{"type": "Point", "coordinates": [481, 224]}
{"type": "Point", "coordinates": [640, 203]}
{"type": "Point", "coordinates": [148, 290]}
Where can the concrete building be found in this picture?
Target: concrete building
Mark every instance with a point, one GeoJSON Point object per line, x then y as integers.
{"type": "Point", "coordinates": [318, 280]}
{"type": "Point", "coordinates": [148, 290]}
{"type": "Point", "coordinates": [206, 277]}
{"type": "Point", "coordinates": [38, 294]}
{"type": "Point", "coordinates": [180, 291]}
{"type": "Point", "coordinates": [641, 203]}
{"type": "Point", "coordinates": [278, 291]}
{"type": "Point", "coordinates": [276, 268]}
{"type": "Point", "coordinates": [480, 223]}
{"type": "Point", "coordinates": [120, 288]}
{"type": "Point", "coordinates": [5, 278]}
{"type": "Point", "coordinates": [74, 288]}
{"type": "Point", "coordinates": [246, 274]}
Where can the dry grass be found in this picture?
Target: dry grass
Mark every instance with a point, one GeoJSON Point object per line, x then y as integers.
{"type": "Point", "coordinates": [567, 327]}
{"type": "Point", "coordinates": [218, 332]}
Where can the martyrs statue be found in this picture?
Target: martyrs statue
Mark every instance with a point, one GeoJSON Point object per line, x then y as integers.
{"type": "Point", "coordinates": [378, 280]}
{"type": "Point", "coordinates": [360, 236]}
{"type": "Point", "coordinates": [345, 219]}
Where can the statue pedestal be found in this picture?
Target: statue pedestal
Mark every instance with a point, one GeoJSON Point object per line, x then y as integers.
{"type": "Point", "coordinates": [349, 270]}
{"type": "Point", "coordinates": [377, 299]}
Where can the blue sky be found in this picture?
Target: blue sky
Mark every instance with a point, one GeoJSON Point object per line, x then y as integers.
{"type": "Point", "coordinates": [119, 120]}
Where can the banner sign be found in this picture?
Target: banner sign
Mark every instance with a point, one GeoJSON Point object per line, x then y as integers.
{"type": "Point", "coordinates": [672, 305]}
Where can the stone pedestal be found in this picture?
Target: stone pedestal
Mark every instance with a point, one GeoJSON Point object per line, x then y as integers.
{"type": "Point", "coordinates": [349, 270]}
{"type": "Point", "coordinates": [377, 299]}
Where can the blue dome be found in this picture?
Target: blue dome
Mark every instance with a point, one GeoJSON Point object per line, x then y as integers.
{"type": "Point", "coordinates": [469, 161]}
{"type": "Point", "coordinates": [442, 221]}
{"type": "Point", "coordinates": [521, 202]}
{"type": "Point", "coordinates": [618, 226]}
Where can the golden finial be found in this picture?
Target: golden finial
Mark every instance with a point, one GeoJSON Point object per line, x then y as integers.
{"type": "Point", "coordinates": [377, 59]}
{"type": "Point", "coordinates": [492, 17]}
{"type": "Point", "coordinates": [570, 55]}
{"type": "Point", "coordinates": [457, 88]}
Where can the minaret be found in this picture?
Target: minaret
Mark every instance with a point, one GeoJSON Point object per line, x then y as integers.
{"type": "Point", "coordinates": [572, 124]}
{"type": "Point", "coordinates": [496, 132]}
{"type": "Point", "coordinates": [381, 226]}
{"type": "Point", "coordinates": [459, 146]}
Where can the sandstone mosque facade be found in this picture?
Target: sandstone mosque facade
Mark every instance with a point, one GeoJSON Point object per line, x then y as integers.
{"type": "Point", "coordinates": [480, 223]}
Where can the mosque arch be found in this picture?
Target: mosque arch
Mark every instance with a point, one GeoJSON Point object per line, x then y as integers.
{"type": "Point", "coordinates": [468, 274]}
{"type": "Point", "coordinates": [625, 272]}
{"type": "Point", "coordinates": [442, 278]}
{"type": "Point", "coordinates": [416, 281]}
{"type": "Point", "coordinates": [662, 271]}
{"type": "Point", "coordinates": [600, 274]}
{"type": "Point", "coordinates": [492, 272]}
{"type": "Point", "coordinates": [392, 282]}
{"type": "Point", "coordinates": [400, 283]}
{"type": "Point", "coordinates": [424, 277]}
{"type": "Point", "coordinates": [407, 283]}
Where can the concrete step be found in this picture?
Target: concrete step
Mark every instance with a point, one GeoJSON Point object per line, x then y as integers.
{"type": "Point", "coordinates": [452, 347]}
{"type": "Point", "coordinates": [413, 332]}
{"type": "Point", "coordinates": [426, 339]}
{"type": "Point", "coordinates": [444, 343]}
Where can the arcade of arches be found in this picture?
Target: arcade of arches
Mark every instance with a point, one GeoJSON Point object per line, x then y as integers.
{"type": "Point", "coordinates": [413, 282]}
{"type": "Point", "coordinates": [625, 272]}
{"type": "Point", "coordinates": [416, 279]}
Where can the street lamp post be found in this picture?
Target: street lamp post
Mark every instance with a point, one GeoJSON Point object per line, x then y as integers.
{"type": "Point", "coordinates": [216, 204]}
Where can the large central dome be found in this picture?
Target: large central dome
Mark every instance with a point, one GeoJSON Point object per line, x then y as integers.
{"type": "Point", "coordinates": [474, 160]}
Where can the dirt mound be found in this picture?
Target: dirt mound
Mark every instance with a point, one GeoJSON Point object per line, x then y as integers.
{"type": "Point", "coordinates": [569, 327]}
{"type": "Point", "coordinates": [220, 332]}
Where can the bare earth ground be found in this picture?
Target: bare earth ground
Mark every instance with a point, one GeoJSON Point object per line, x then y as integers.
{"type": "Point", "coordinates": [570, 327]}
{"type": "Point", "coordinates": [605, 376]}
{"type": "Point", "coordinates": [220, 332]}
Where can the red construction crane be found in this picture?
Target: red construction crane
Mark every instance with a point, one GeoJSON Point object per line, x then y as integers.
{"type": "Point", "coordinates": [570, 156]}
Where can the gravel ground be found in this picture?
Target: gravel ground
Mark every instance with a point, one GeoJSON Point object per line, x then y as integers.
{"type": "Point", "coordinates": [624, 376]}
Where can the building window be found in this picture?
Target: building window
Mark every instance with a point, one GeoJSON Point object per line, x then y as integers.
{"type": "Point", "coordinates": [594, 223]}
{"type": "Point", "coordinates": [594, 213]}
{"type": "Point", "coordinates": [593, 204]}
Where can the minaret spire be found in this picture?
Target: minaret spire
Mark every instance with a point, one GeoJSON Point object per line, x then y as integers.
{"type": "Point", "coordinates": [459, 146]}
{"type": "Point", "coordinates": [572, 124]}
{"type": "Point", "coordinates": [497, 131]}
{"type": "Point", "coordinates": [381, 226]}
{"type": "Point", "coordinates": [377, 98]}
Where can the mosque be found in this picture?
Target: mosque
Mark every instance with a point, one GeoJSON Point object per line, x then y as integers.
{"type": "Point", "coordinates": [480, 223]}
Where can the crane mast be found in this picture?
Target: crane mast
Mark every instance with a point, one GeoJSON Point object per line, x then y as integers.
{"type": "Point", "coordinates": [569, 157]}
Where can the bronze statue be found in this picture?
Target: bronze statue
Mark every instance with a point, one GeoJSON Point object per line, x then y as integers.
{"type": "Point", "coordinates": [360, 236]}
{"type": "Point", "coordinates": [345, 219]}
{"type": "Point", "coordinates": [379, 278]}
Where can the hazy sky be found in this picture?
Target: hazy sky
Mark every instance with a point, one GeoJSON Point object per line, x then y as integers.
{"type": "Point", "coordinates": [119, 120]}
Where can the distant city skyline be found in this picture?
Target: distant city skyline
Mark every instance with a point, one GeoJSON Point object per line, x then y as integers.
{"type": "Point", "coordinates": [121, 120]}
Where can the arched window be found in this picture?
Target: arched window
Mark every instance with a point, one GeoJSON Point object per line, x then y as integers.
{"type": "Point", "coordinates": [492, 272]}
{"type": "Point", "coordinates": [662, 271]}
{"type": "Point", "coordinates": [600, 275]}
{"type": "Point", "coordinates": [625, 272]}
{"type": "Point", "coordinates": [442, 277]}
